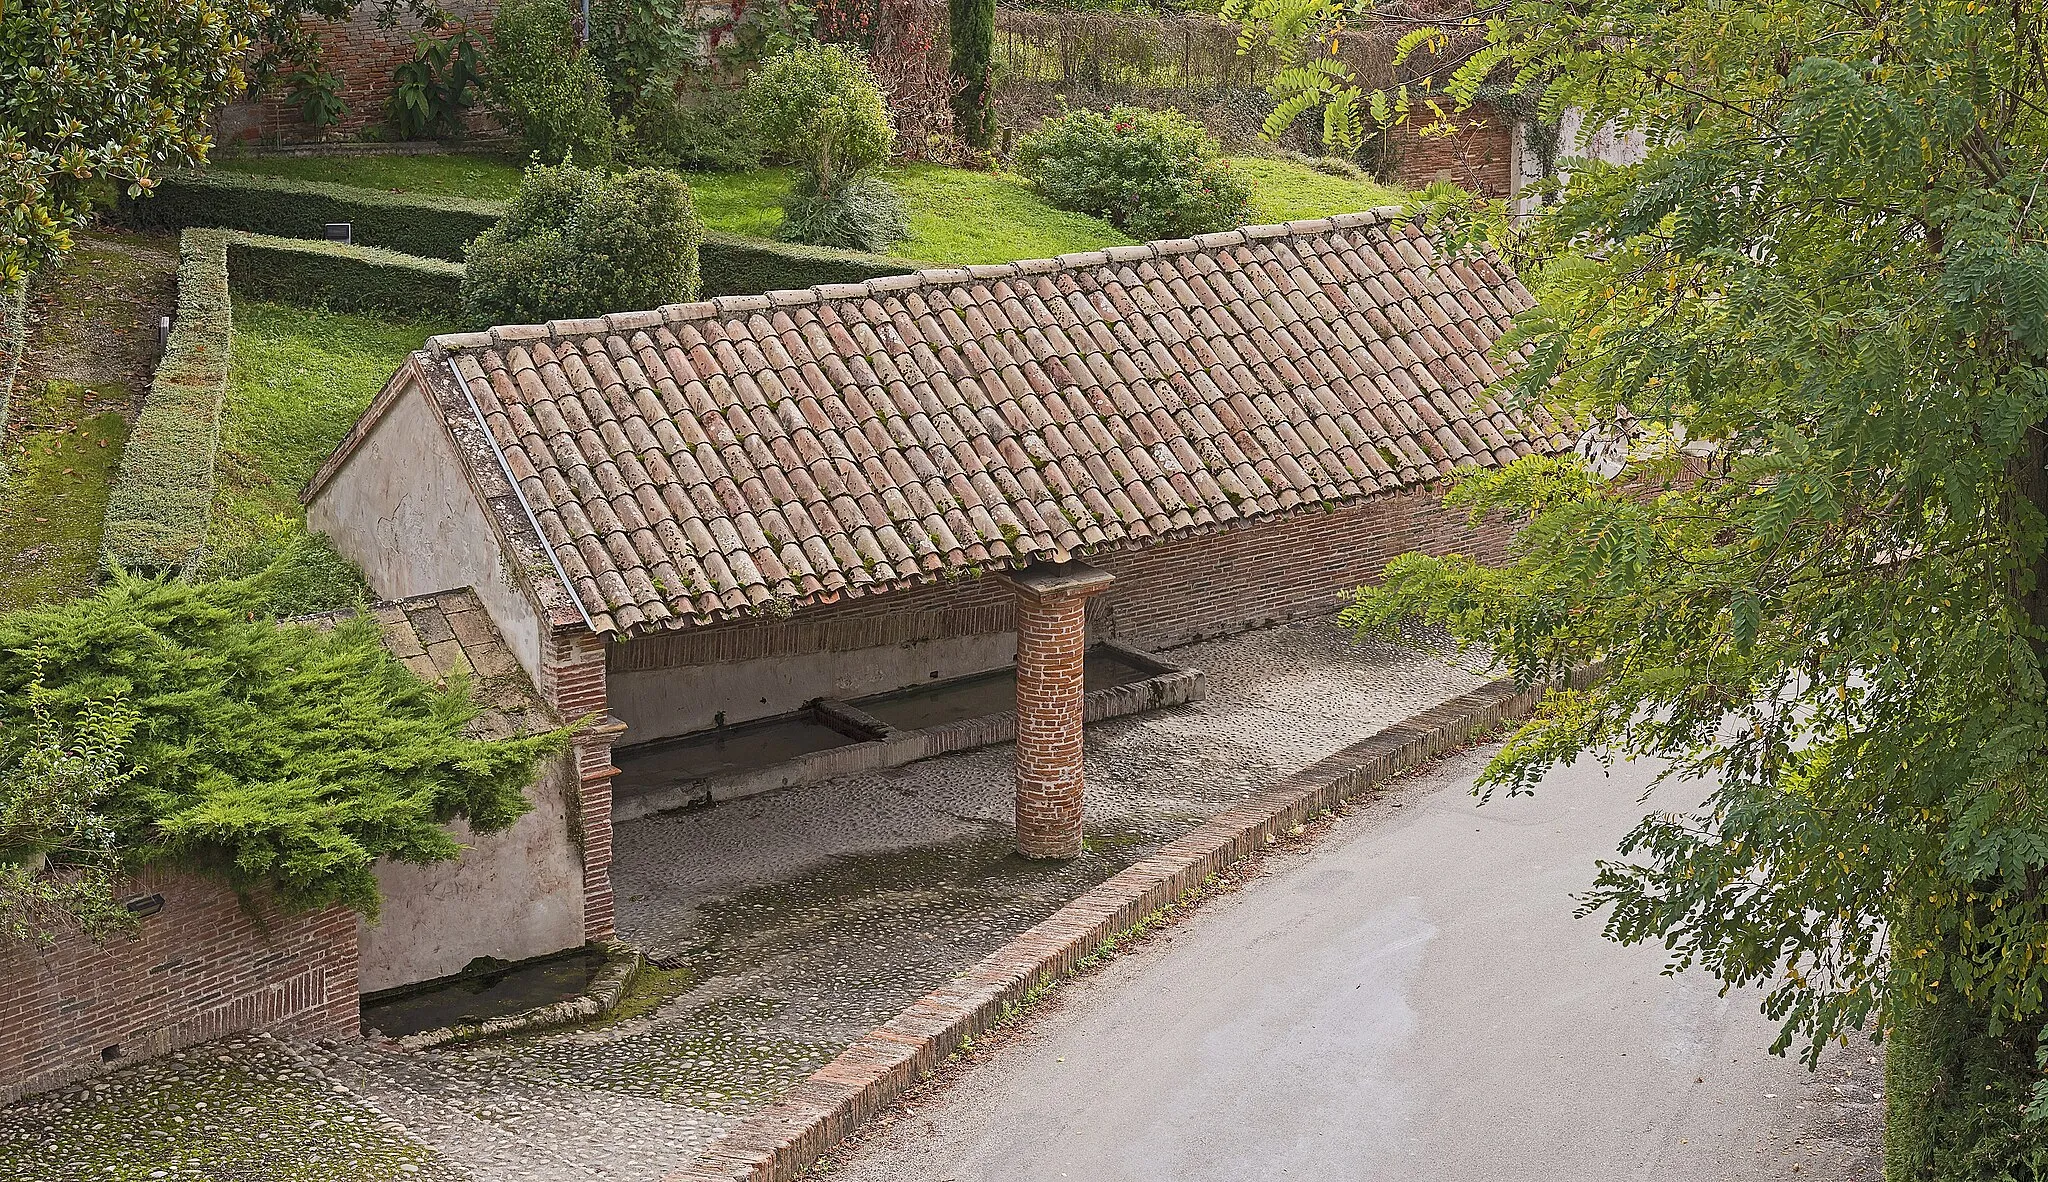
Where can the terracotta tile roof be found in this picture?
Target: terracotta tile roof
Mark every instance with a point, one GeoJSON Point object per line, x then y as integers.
{"type": "Point", "coordinates": [449, 635]}
{"type": "Point", "coordinates": [754, 454]}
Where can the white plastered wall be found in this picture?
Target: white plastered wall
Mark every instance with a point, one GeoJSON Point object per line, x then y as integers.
{"type": "Point", "coordinates": [402, 508]}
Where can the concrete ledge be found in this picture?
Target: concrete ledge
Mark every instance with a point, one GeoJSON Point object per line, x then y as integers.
{"type": "Point", "coordinates": [778, 1143]}
{"type": "Point", "coordinates": [1168, 685]}
{"type": "Point", "coordinates": [599, 998]}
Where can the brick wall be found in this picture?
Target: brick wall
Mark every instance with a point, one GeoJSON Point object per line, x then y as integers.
{"type": "Point", "coordinates": [207, 965]}
{"type": "Point", "coordinates": [1165, 595]}
{"type": "Point", "coordinates": [1480, 156]}
{"type": "Point", "coordinates": [1267, 573]}
{"type": "Point", "coordinates": [364, 55]}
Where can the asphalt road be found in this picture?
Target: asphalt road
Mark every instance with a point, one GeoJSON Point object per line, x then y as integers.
{"type": "Point", "coordinates": [1409, 998]}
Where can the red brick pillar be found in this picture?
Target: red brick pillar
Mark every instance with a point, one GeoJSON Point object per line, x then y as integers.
{"type": "Point", "coordinates": [1052, 637]}
{"type": "Point", "coordinates": [573, 681]}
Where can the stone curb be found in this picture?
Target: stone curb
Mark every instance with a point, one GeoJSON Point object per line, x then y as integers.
{"type": "Point", "coordinates": [780, 1142]}
{"type": "Point", "coordinates": [598, 998]}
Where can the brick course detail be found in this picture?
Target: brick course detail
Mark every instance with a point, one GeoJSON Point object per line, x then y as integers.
{"type": "Point", "coordinates": [1479, 155]}
{"type": "Point", "coordinates": [210, 963]}
{"type": "Point", "coordinates": [572, 680]}
{"type": "Point", "coordinates": [364, 54]}
{"type": "Point", "coordinates": [1250, 576]}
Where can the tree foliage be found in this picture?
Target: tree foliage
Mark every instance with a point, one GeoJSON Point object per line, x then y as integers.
{"type": "Point", "coordinates": [1833, 269]}
{"type": "Point", "coordinates": [59, 857]}
{"type": "Point", "coordinates": [1152, 174]}
{"type": "Point", "coordinates": [547, 86]}
{"type": "Point", "coordinates": [101, 97]}
{"type": "Point", "coordinates": [819, 107]}
{"type": "Point", "coordinates": [171, 722]}
{"type": "Point", "coordinates": [971, 30]}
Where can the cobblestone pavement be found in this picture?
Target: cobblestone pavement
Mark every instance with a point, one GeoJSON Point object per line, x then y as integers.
{"type": "Point", "coordinates": [245, 1109]}
{"type": "Point", "coordinates": [799, 920]}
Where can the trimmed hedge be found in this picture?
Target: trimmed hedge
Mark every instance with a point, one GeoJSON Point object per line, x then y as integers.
{"type": "Point", "coordinates": [158, 508]}
{"type": "Point", "coordinates": [439, 228]}
{"type": "Point", "coordinates": [415, 223]}
{"type": "Point", "coordinates": [345, 278]}
{"type": "Point", "coordinates": [730, 264]}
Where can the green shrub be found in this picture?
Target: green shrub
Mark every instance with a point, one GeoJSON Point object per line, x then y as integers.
{"type": "Point", "coordinates": [1152, 174]}
{"type": "Point", "coordinates": [698, 131]}
{"type": "Point", "coordinates": [641, 47]}
{"type": "Point", "coordinates": [819, 108]}
{"type": "Point", "coordinates": [316, 91]}
{"type": "Point", "coordinates": [59, 858]}
{"type": "Point", "coordinates": [548, 87]}
{"type": "Point", "coordinates": [433, 227]}
{"type": "Point", "coordinates": [301, 573]}
{"type": "Point", "coordinates": [866, 213]}
{"type": "Point", "coordinates": [158, 507]}
{"type": "Point", "coordinates": [432, 92]}
{"type": "Point", "coordinates": [345, 278]}
{"type": "Point", "coordinates": [270, 755]}
{"type": "Point", "coordinates": [1955, 1096]}
{"type": "Point", "coordinates": [580, 243]}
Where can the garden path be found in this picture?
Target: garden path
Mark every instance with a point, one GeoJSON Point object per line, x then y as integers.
{"type": "Point", "coordinates": [91, 347]}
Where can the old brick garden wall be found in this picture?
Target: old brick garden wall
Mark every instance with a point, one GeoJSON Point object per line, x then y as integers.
{"type": "Point", "coordinates": [209, 963]}
{"type": "Point", "coordinates": [364, 54]}
{"type": "Point", "coordinates": [1480, 155]}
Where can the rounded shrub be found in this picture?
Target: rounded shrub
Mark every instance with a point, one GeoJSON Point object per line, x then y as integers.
{"type": "Point", "coordinates": [1152, 174]}
{"type": "Point", "coordinates": [549, 90]}
{"type": "Point", "coordinates": [820, 109]}
{"type": "Point", "coordinates": [578, 242]}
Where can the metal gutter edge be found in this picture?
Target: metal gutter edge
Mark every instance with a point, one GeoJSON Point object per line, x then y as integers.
{"type": "Point", "coordinates": [540, 535]}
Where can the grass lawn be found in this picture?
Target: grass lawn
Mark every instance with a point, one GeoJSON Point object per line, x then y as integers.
{"type": "Point", "coordinates": [957, 216]}
{"type": "Point", "coordinates": [449, 175]}
{"type": "Point", "coordinates": [1283, 191]}
{"type": "Point", "coordinates": [54, 479]}
{"type": "Point", "coordinates": [300, 379]}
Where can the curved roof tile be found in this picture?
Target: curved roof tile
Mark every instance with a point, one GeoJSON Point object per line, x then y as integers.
{"type": "Point", "coordinates": [911, 425]}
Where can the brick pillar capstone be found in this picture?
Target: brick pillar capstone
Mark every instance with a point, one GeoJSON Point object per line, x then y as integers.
{"type": "Point", "coordinates": [1052, 639]}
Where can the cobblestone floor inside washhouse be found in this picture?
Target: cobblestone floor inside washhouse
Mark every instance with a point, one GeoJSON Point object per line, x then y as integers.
{"type": "Point", "coordinates": [803, 918]}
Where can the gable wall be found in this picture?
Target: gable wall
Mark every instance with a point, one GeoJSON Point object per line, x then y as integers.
{"type": "Point", "coordinates": [402, 509]}
{"type": "Point", "coordinates": [511, 895]}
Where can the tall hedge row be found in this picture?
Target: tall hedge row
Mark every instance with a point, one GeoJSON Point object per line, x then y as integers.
{"type": "Point", "coordinates": [440, 227]}
{"type": "Point", "coordinates": [345, 278]}
{"type": "Point", "coordinates": [729, 264]}
{"type": "Point", "coordinates": [415, 223]}
{"type": "Point", "coordinates": [1956, 1095]}
{"type": "Point", "coordinates": [158, 509]}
